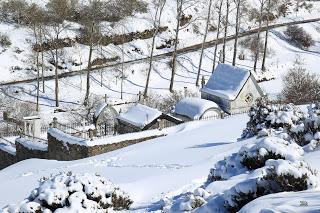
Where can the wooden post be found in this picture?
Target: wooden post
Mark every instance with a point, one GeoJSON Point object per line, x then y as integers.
{"type": "Point", "coordinates": [203, 82]}
{"type": "Point", "coordinates": [55, 122]}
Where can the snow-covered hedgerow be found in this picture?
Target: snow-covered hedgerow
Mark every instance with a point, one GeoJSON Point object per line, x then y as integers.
{"type": "Point", "coordinates": [307, 131]}
{"type": "Point", "coordinates": [74, 193]}
{"type": "Point", "coordinates": [254, 156]}
{"type": "Point", "coordinates": [264, 116]}
{"type": "Point", "coordinates": [278, 176]}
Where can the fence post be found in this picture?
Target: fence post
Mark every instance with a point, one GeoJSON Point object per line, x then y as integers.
{"type": "Point", "coordinates": [55, 122]}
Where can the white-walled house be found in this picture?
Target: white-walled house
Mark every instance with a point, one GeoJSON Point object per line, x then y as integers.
{"type": "Point", "coordinates": [234, 89]}
{"type": "Point", "coordinates": [189, 109]}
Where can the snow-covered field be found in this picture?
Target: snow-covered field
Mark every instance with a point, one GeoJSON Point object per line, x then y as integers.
{"type": "Point", "coordinates": [148, 171]}
{"type": "Point", "coordinates": [170, 166]}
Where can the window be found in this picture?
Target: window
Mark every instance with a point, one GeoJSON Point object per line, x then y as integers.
{"type": "Point", "coordinates": [249, 98]}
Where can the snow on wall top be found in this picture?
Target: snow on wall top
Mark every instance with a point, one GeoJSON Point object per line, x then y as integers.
{"type": "Point", "coordinates": [140, 115]}
{"type": "Point", "coordinates": [194, 107]}
{"type": "Point", "coordinates": [66, 138]}
{"type": "Point", "coordinates": [32, 145]}
{"type": "Point", "coordinates": [226, 81]}
{"type": "Point", "coordinates": [7, 148]}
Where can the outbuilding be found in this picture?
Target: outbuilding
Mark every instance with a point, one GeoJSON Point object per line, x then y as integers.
{"type": "Point", "coordinates": [140, 117]}
{"type": "Point", "coordinates": [234, 89]}
{"type": "Point", "coordinates": [189, 109]}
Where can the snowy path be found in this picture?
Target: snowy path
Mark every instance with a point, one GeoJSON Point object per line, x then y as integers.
{"type": "Point", "coordinates": [147, 170]}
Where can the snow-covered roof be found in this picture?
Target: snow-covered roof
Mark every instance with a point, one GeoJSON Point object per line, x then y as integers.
{"type": "Point", "coordinates": [140, 115]}
{"type": "Point", "coordinates": [194, 107]}
{"type": "Point", "coordinates": [226, 81]}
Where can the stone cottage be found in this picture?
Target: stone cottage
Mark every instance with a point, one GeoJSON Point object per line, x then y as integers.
{"type": "Point", "coordinates": [189, 109]}
{"type": "Point", "coordinates": [140, 117]}
{"type": "Point", "coordinates": [234, 89]}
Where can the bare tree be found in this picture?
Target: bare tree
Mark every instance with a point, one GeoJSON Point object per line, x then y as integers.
{"type": "Point", "coordinates": [159, 5]}
{"type": "Point", "coordinates": [204, 41]}
{"type": "Point", "coordinates": [263, 67]}
{"type": "Point", "coordinates": [217, 37]}
{"type": "Point", "coordinates": [256, 56]}
{"type": "Point", "coordinates": [35, 17]}
{"type": "Point", "coordinates": [58, 11]}
{"type": "Point", "coordinates": [174, 57]}
{"type": "Point", "coordinates": [238, 3]}
{"type": "Point", "coordinates": [92, 16]}
{"type": "Point", "coordinates": [226, 24]}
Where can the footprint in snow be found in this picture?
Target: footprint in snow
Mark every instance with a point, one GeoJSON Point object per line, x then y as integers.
{"type": "Point", "coordinates": [27, 174]}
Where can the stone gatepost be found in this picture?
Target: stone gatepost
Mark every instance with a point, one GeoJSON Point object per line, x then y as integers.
{"type": "Point", "coordinates": [32, 126]}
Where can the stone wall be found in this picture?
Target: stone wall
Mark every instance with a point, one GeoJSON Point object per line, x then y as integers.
{"type": "Point", "coordinates": [24, 152]}
{"type": "Point", "coordinates": [97, 150]}
{"type": "Point", "coordinates": [60, 150]}
{"type": "Point", "coordinates": [6, 159]}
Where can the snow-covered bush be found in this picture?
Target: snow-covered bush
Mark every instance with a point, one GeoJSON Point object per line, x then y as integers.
{"type": "Point", "coordinates": [194, 200]}
{"type": "Point", "coordinates": [307, 131]}
{"type": "Point", "coordinates": [74, 193]}
{"type": "Point", "coordinates": [264, 116]}
{"type": "Point", "coordinates": [299, 36]}
{"type": "Point", "coordinates": [224, 169]}
{"type": "Point", "coordinates": [300, 86]}
{"type": "Point", "coordinates": [254, 156]}
{"type": "Point", "coordinates": [4, 41]}
{"type": "Point", "coordinates": [278, 176]}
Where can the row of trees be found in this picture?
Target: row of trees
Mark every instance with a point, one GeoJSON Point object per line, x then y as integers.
{"type": "Point", "coordinates": [223, 9]}
{"type": "Point", "coordinates": [48, 23]}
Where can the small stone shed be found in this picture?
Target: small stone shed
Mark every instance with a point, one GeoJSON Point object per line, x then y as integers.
{"type": "Point", "coordinates": [234, 89]}
{"type": "Point", "coordinates": [189, 109]}
{"type": "Point", "coordinates": [140, 117]}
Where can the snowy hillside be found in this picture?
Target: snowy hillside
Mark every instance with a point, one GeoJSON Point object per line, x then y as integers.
{"type": "Point", "coordinates": [81, 72]}
{"type": "Point", "coordinates": [147, 171]}
{"type": "Point", "coordinates": [282, 55]}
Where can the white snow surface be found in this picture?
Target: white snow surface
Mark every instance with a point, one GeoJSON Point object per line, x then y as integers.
{"type": "Point", "coordinates": [32, 145]}
{"type": "Point", "coordinates": [227, 81]}
{"type": "Point", "coordinates": [285, 202]}
{"type": "Point", "coordinates": [147, 171]}
{"type": "Point", "coordinates": [194, 108]}
{"type": "Point", "coordinates": [140, 115]}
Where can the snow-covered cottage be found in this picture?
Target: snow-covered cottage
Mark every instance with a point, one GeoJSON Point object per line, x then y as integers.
{"type": "Point", "coordinates": [189, 109]}
{"type": "Point", "coordinates": [234, 89]}
{"type": "Point", "coordinates": [141, 117]}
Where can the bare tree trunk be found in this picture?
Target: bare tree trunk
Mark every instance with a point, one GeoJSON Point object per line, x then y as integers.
{"type": "Point", "coordinates": [235, 49]}
{"type": "Point", "coordinates": [38, 71]}
{"type": "Point", "coordinates": [86, 99]}
{"type": "Point", "coordinates": [42, 62]}
{"type": "Point", "coordinates": [263, 67]}
{"type": "Point", "coordinates": [256, 57]}
{"type": "Point", "coordinates": [203, 43]}
{"type": "Point", "coordinates": [217, 38]}
{"type": "Point", "coordinates": [225, 33]}
{"type": "Point", "coordinates": [174, 57]}
{"type": "Point", "coordinates": [56, 74]}
{"type": "Point", "coordinates": [157, 20]}
{"type": "Point", "coordinates": [122, 70]}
